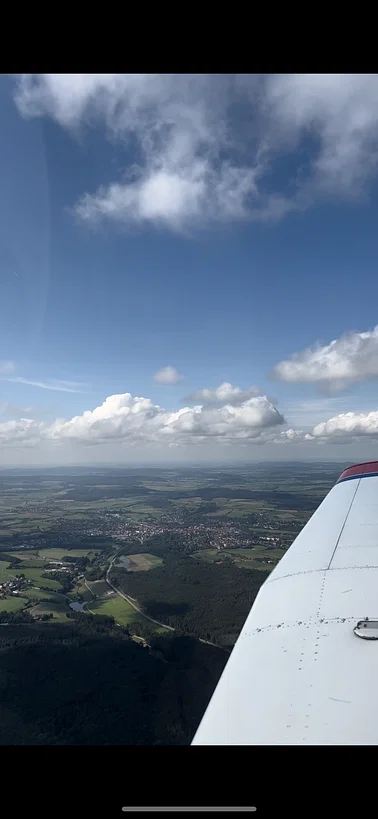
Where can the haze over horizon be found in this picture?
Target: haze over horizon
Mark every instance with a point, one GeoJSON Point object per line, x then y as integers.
{"type": "Point", "coordinates": [188, 268]}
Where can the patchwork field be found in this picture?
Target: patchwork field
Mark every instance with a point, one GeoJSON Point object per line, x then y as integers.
{"type": "Point", "coordinates": [143, 562]}
{"type": "Point", "coordinates": [171, 512]}
{"type": "Point", "coordinates": [43, 592]}
{"type": "Point", "coordinates": [30, 562]}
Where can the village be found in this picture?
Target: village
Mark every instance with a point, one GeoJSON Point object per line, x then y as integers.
{"type": "Point", "coordinates": [14, 586]}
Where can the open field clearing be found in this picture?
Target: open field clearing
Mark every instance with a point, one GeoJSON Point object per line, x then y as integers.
{"type": "Point", "coordinates": [143, 562]}
{"type": "Point", "coordinates": [6, 575]}
{"type": "Point", "coordinates": [58, 610]}
{"type": "Point", "coordinates": [13, 603]}
{"type": "Point", "coordinates": [89, 590]}
{"type": "Point", "coordinates": [55, 553]}
{"type": "Point", "coordinates": [208, 555]}
{"type": "Point", "coordinates": [115, 606]}
{"type": "Point", "coordinates": [59, 553]}
{"type": "Point", "coordinates": [36, 577]}
{"type": "Point", "coordinates": [4, 564]}
{"type": "Point", "coordinates": [250, 555]}
{"type": "Point", "coordinates": [29, 562]}
{"type": "Point", "coordinates": [243, 558]}
{"type": "Point", "coordinates": [98, 587]}
{"type": "Point", "coordinates": [42, 594]}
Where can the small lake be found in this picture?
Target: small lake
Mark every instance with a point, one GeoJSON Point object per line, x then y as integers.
{"type": "Point", "coordinates": [77, 606]}
{"type": "Point", "coordinates": [123, 561]}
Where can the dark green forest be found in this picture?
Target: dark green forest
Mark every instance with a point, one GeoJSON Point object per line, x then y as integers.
{"type": "Point", "coordinates": [87, 683]}
{"type": "Point", "coordinates": [217, 598]}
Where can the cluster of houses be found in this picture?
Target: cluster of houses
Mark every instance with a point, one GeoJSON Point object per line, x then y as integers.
{"type": "Point", "coordinates": [14, 586]}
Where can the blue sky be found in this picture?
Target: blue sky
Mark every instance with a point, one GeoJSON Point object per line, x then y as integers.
{"type": "Point", "coordinates": [214, 226]}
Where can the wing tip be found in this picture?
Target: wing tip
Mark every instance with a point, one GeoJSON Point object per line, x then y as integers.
{"type": "Point", "coordinates": [359, 471]}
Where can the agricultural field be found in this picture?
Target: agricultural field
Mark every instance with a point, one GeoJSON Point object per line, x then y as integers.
{"type": "Point", "coordinates": [4, 573]}
{"type": "Point", "coordinates": [116, 607]}
{"type": "Point", "coordinates": [88, 591]}
{"type": "Point", "coordinates": [29, 562]}
{"type": "Point", "coordinates": [261, 559]}
{"type": "Point", "coordinates": [98, 587]}
{"type": "Point", "coordinates": [45, 592]}
{"type": "Point", "coordinates": [38, 581]}
{"type": "Point", "coordinates": [58, 553]}
{"type": "Point", "coordinates": [58, 610]}
{"type": "Point", "coordinates": [42, 594]}
{"type": "Point", "coordinates": [13, 604]}
{"type": "Point", "coordinates": [143, 562]}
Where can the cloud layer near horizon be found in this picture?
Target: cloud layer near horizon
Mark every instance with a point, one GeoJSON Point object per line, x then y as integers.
{"type": "Point", "coordinates": [195, 160]}
{"type": "Point", "coordinates": [138, 422]}
{"type": "Point", "coordinates": [132, 420]}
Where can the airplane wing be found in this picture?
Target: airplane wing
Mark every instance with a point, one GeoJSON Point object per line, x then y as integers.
{"type": "Point", "coordinates": [304, 669]}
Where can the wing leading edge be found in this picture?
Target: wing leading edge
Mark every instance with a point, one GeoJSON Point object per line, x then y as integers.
{"type": "Point", "coordinates": [298, 673]}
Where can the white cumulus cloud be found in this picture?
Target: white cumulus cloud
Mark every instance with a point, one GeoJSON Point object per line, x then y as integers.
{"type": "Point", "coordinates": [24, 432]}
{"type": "Point", "coordinates": [203, 146]}
{"type": "Point", "coordinates": [348, 425]}
{"type": "Point", "coordinates": [344, 361]}
{"type": "Point", "coordinates": [225, 393]}
{"type": "Point", "coordinates": [135, 420]}
{"type": "Point", "coordinates": [126, 418]}
{"type": "Point", "coordinates": [290, 436]}
{"type": "Point", "coordinates": [341, 112]}
{"type": "Point", "coordinates": [167, 375]}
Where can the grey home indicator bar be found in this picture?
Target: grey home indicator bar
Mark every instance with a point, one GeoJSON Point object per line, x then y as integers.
{"type": "Point", "coordinates": [223, 808]}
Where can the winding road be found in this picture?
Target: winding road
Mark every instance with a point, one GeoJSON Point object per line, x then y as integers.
{"type": "Point", "coordinates": [142, 613]}
{"type": "Point", "coordinates": [130, 600]}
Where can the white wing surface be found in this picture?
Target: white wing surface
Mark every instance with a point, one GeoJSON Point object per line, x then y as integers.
{"type": "Point", "coordinates": [300, 672]}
